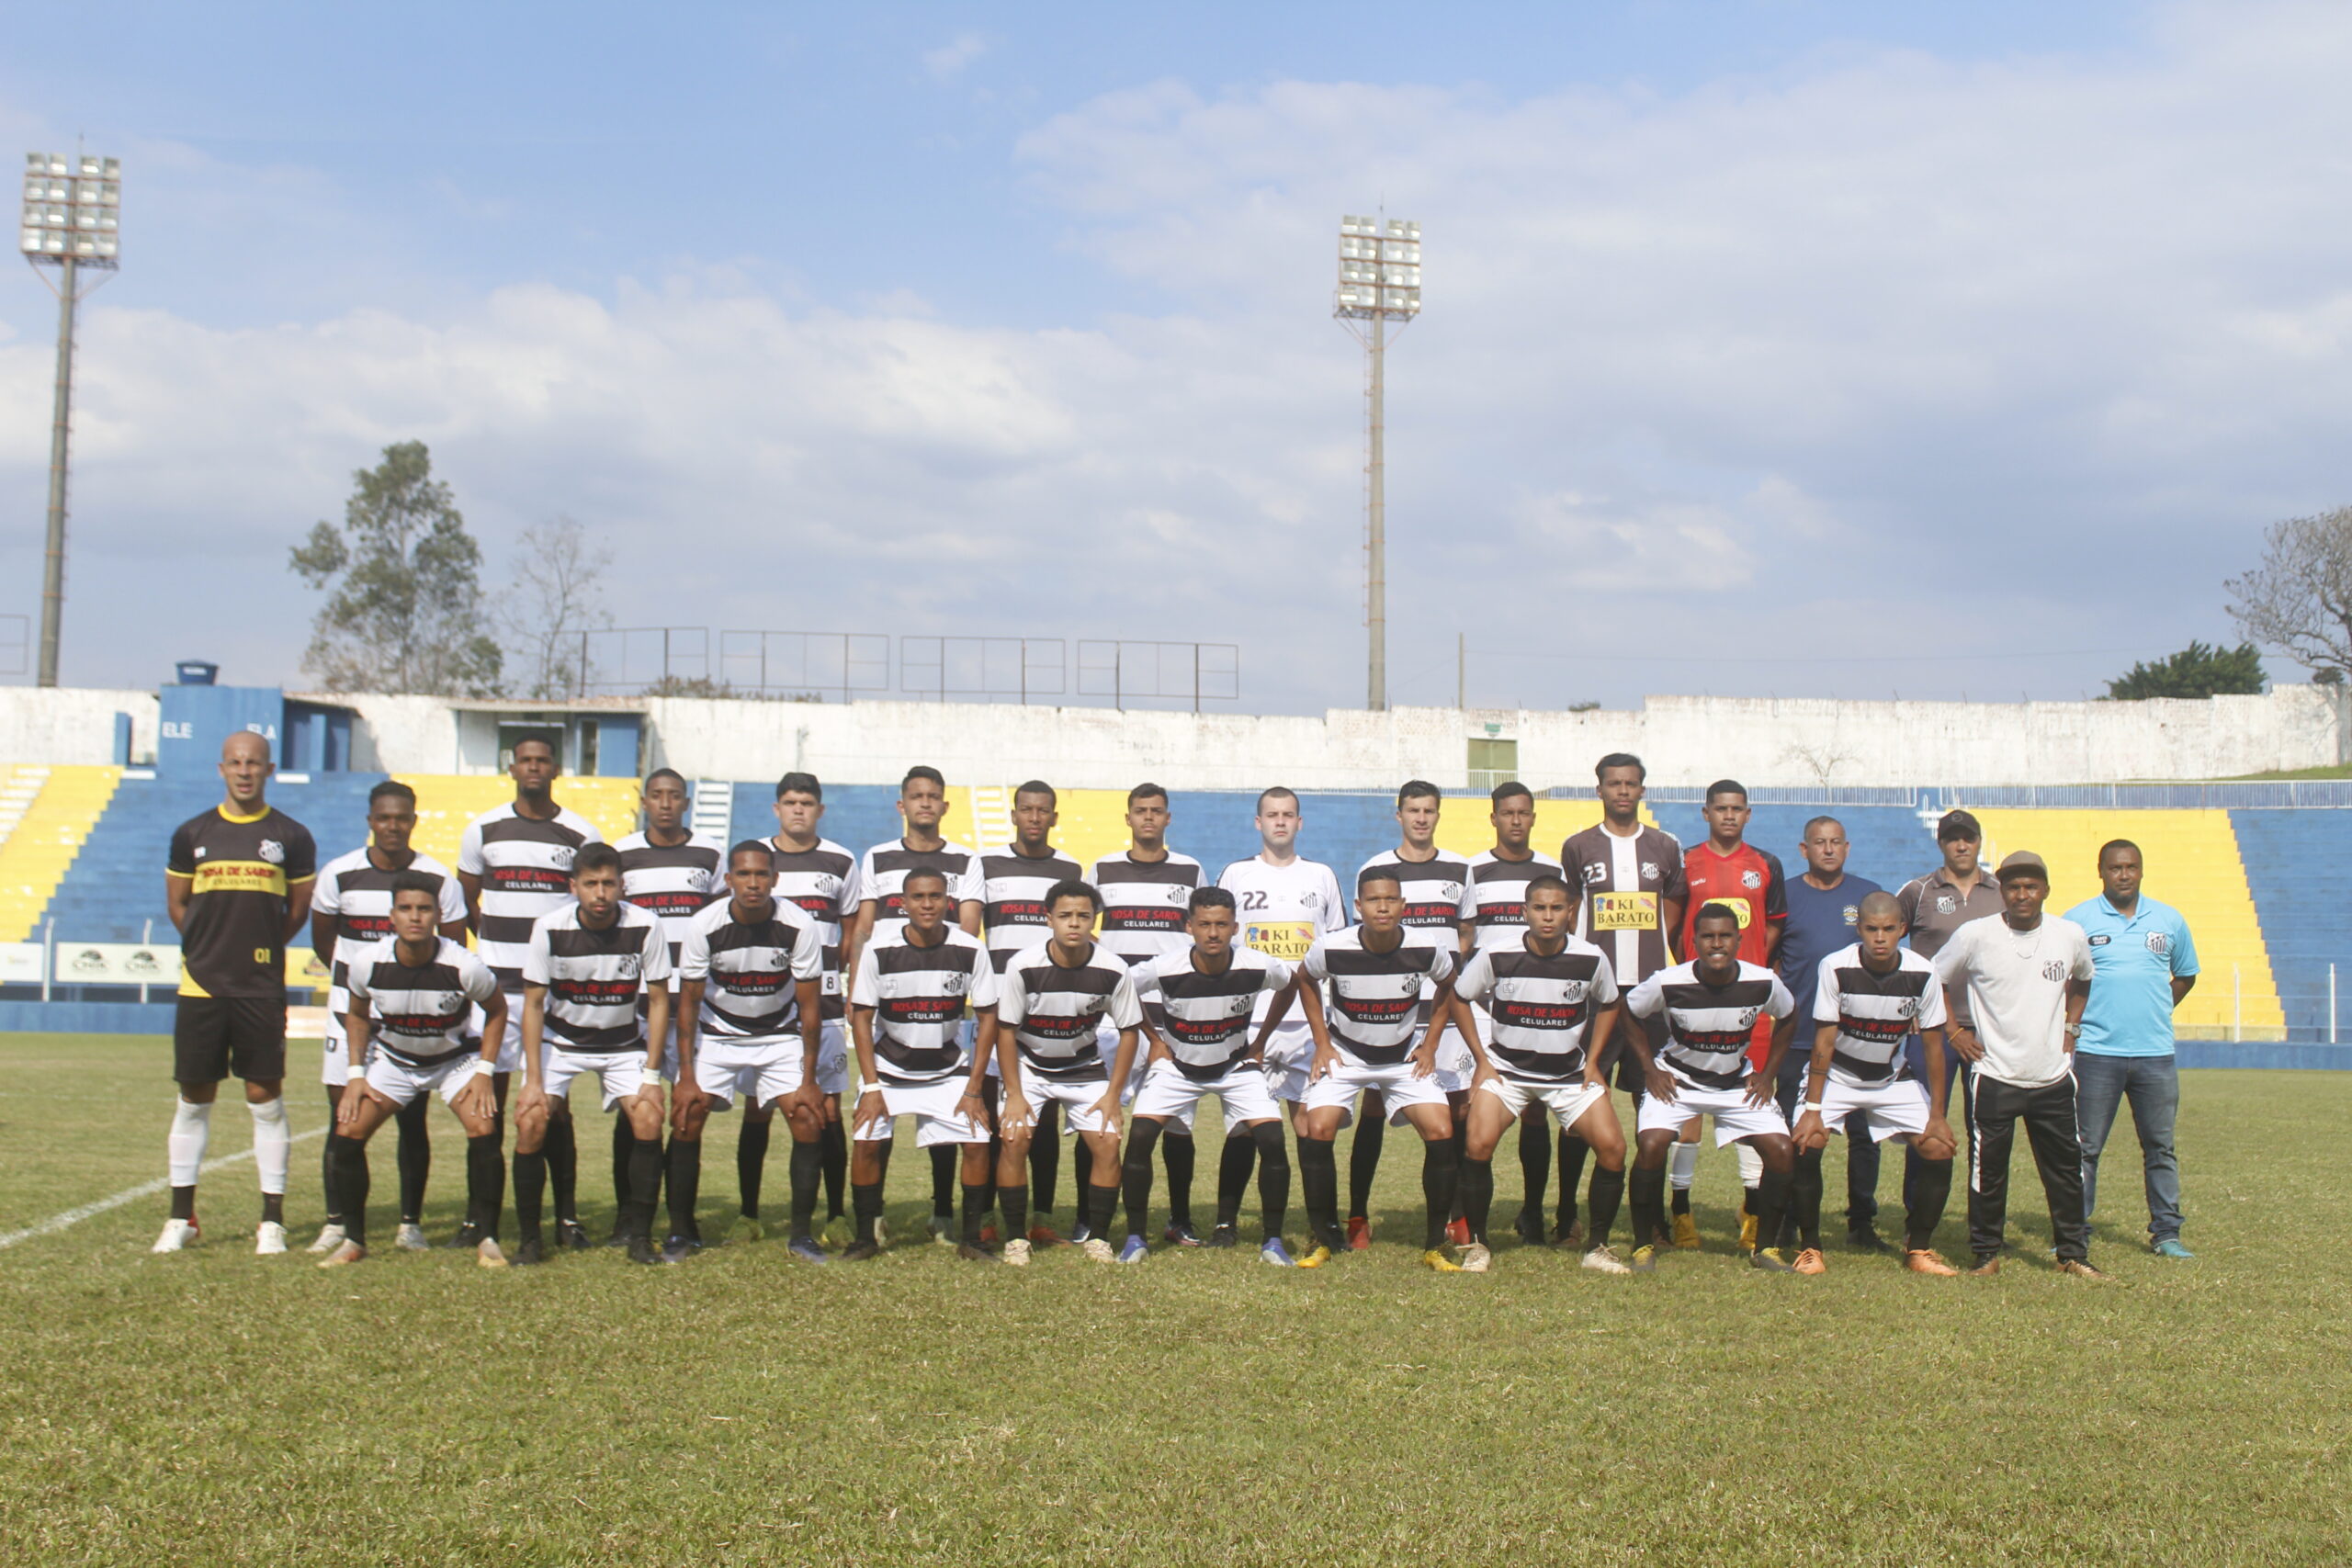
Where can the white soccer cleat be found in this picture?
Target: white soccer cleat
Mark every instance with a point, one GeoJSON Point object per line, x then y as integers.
{"type": "Point", "coordinates": [1095, 1247]}
{"type": "Point", "coordinates": [412, 1239]}
{"type": "Point", "coordinates": [1016, 1252]}
{"type": "Point", "coordinates": [488, 1255]}
{"type": "Point", "coordinates": [344, 1256]}
{"type": "Point", "coordinates": [178, 1236]}
{"type": "Point", "coordinates": [269, 1240]}
{"type": "Point", "coordinates": [330, 1237]}
{"type": "Point", "coordinates": [1604, 1260]}
{"type": "Point", "coordinates": [1475, 1258]}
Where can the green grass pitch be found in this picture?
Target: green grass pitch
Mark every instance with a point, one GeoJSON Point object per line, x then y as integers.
{"type": "Point", "coordinates": [217, 1407]}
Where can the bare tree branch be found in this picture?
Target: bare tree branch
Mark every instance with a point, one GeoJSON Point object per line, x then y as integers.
{"type": "Point", "coordinates": [556, 594]}
{"type": "Point", "coordinates": [2299, 600]}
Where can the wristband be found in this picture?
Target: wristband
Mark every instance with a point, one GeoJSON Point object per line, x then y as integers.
{"type": "Point", "coordinates": [1815, 1109]}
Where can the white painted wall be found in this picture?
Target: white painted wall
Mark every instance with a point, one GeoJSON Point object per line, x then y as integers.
{"type": "Point", "coordinates": [1685, 740]}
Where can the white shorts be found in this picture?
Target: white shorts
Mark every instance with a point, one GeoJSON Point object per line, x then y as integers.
{"type": "Point", "coordinates": [1735, 1118]}
{"type": "Point", "coordinates": [620, 1073]}
{"type": "Point", "coordinates": [1398, 1086]}
{"type": "Point", "coordinates": [510, 1050]}
{"type": "Point", "coordinates": [399, 1083]}
{"type": "Point", "coordinates": [1175, 1098]}
{"type": "Point", "coordinates": [1290, 1055]}
{"type": "Point", "coordinates": [933, 1105]}
{"type": "Point", "coordinates": [762, 1070]}
{"type": "Point", "coordinates": [1106, 1045]}
{"type": "Point", "coordinates": [1078, 1096]}
{"type": "Point", "coordinates": [1566, 1102]}
{"type": "Point", "coordinates": [1894, 1109]}
{"type": "Point", "coordinates": [832, 1058]}
{"type": "Point", "coordinates": [334, 1062]}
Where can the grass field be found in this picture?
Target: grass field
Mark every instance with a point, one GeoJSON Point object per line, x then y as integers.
{"type": "Point", "coordinates": [215, 1408]}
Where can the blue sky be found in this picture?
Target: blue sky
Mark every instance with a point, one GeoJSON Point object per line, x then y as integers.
{"type": "Point", "coordinates": [1773, 348]}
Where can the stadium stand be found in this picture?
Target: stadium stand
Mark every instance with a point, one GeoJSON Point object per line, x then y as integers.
{"type": "Point", "coordinates": [2292, 862]}
{"type": "Point", "coordinates": [59, 813]}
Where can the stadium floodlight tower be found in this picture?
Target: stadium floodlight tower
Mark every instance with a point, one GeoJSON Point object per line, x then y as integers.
{"type": "Point", "coordinates": [1380, 282]}
{"type": "Point", "coordinates": [71, 210]}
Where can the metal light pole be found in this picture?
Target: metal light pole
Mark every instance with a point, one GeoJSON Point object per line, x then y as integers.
{"type": "Point", "coordinates": [71, 222]}
{"type": "Point", "coordinates": [1380, 280]}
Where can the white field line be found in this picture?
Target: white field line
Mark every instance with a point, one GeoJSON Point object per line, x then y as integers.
{"type": "Point", "coordinates": [56, 1223]}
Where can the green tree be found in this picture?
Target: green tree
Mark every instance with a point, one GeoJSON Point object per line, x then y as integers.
{"type": "Point", "coordinates": [404, 608]}
{"type": "Point", "coordinates": [2196, 671]}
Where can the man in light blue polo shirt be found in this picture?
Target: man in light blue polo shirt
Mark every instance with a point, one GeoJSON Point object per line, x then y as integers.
{"type": "Point", "coordinates": [2143, 962]}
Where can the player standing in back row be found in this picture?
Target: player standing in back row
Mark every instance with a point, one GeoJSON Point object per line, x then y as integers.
{"type": "Point", "coordinates": [237, 886]}
{"type": "Point", "coordinates": [1013, 884]}
{"type": "Point", "coordinates": [1494, 910]}
{"type": "Point", "coordinates": [1432, 881]}
{"type": "Point", "coordinates": [1630, 877]}
{"type": "Point", "coordinates": [1146, 889]}
{"type": "Point", "coordinates": [351, 906]}
{"type": "Point", "coordinates": [670, 872]}
{"type": "Point", "coordinates": [818, 877]}
{"type": "Point", "coordinates": [514, 864]}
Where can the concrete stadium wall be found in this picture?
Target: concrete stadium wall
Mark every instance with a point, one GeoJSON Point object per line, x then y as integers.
{"type": "Point", "coordinates": [1686, 741]}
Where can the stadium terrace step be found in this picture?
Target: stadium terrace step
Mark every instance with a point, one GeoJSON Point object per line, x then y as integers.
{"type": "Point", "coordinates": [47, 839]}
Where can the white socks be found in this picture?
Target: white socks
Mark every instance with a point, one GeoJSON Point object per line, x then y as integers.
{"type": "Point", "coordinates": [1683, 1166]}
{"type": "Point", "coordinates": [191, 1130]}
{"type": "Point", "coordinates": [1751, 1165]}
{"type": "Point", "coordinates": [272, 1144]}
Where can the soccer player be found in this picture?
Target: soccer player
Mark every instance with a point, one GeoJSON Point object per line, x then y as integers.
{"type": "Point", "coordinates": [1053, 999]}
{"type": "Point", "coordinates": [586, 969]}
{"type": "Point", "coordinates": [1712, 1004]}
{"type": "Point", "coordinates": [1633, 896]}
{"type": "Point", "coordinates": [819, 877]}
{"type": "Point", "coordinates": [1013, 884]}
{"type": "Point", "coordinates": [1494, 910]}
{"type": "Point", "coordinates": [1432, 882]}
{"type": "Point", "coordinates": [1549, 1003]}
{"type": "Point", "coordinates": [408, 1001]}
{"type": "Point", "coordinates": [1868, 997]}
{"type": "Point", "coordinates": [751, 1015]}
{"type": "Point", "coordinates": [1371, 1040]}
{"type": "Point", "coordinates": [514, 865]}
{"type": "Point", "coordinates": [670, 872]}
{"type": "Point", "coordinates": [1283, 903]}
{"type": "Point", "coordinates": [906, 1002]}
{"type": "Point", "coordinates": [1823, 906]}
{"type": "Point", "coordinates": [1146, 889]}
{"type": "Point", "coordinates": [881, 877]}
{"type": "Point", "coordinates": [1198, 1005]}
{"type": "Point", "coordinates": [2027, 976]}
{"type": "Point", "coordinates": [237, 886]}
{"type": "Point", "coordinates": [352, 906]}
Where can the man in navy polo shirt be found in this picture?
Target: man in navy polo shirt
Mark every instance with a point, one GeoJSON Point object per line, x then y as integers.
{"type": "Point", "coordinates": [2144, 963]}
{"type": "Point", "coordinates": [1823, 904]}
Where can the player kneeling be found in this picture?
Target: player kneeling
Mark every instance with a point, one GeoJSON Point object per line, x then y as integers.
{"type": "Point", "coordinates": [411, 997]}
{"type": "Point", "coordinates": [750, 1003]}
{"type": "Point", "coordinates": [1553, 1000]}
{"type": "Point", "coordinates": [1872, 995]}
{"type": "Point", "coordinates": [1052, 1001]}
{"type": "Point", "coordinates": [1711, 1004]}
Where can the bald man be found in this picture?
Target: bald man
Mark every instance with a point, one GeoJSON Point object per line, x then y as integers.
{"type": "Point", "coordinates": [1867, 998]}
{"type": "Point", "coordinates": [237, 885]}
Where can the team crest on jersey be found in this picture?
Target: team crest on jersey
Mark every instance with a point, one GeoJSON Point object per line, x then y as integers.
{"type": "Point", "coordinates": [954, 985]}
{"type": "Point", "coordinates": [1572, 991]}
{"type": "Point", "coordinates": [1908, 1007]}
{"type": "Point", "coordinates": [1747, 1017]}
{"type": "Point", "coordinates": [1453, 891]}
{"type": "Point", "coordinates": [828, 885]}
{"type": "Point", "coordinates": [1946, 904]}
{"type": "Point", "coordinates": [562, 857]}
{"type": "Point", "coordinates": [272, 851]}
{"type": "Point", "coordinates": [451, 1001]}
{"type": "Point", "coordinates": [630, 965]}
{"type": "Point", "coordinates": [1649, 871]}
{"type": "Point", "coordinates": [2159, 942]}
{"type": "Point", "coordinates": [1850, 914]}
{"type": "Point", "coordinates": [1751, 880]}
{"type": "Point", "coordinates": [1312, 900]}
{"type": "Point", "coordinates": [2053, 970]}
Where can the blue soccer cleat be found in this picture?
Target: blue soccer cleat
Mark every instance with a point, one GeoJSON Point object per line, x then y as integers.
{"type": "Point", "coordinates": [1134, 1251]}
{"type": "Point", "coordinates": [1275, 1253]}
{"type": "Point", "coordinates": [807, 1251]}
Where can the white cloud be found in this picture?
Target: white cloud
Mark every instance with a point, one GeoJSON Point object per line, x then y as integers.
{"type": "Point", "coordinates": [950, 59]}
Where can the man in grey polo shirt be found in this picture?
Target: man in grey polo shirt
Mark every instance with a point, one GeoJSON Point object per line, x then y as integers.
{"type": "Point", "coordinates": [1934, 907]}
{"type": "Point", "coordinates": [2025, 976]}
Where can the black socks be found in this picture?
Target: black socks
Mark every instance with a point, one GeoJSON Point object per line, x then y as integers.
{"type": "Point", "coordinates": [1233, 1165]}
{"type": "Point", "coordinates": [644, 1184]}
{"type": "Point", "coordinates": [1273, 1176]}
{"type": "Point", "coordinates": [485, 1183]}
{"type": "Point", "coordinates": [562, 1155]}
{"type": "Point", "coordinates": [413, 1154]}
{"type": "Point", "coordinates": [1646, 1188]}
{"type": "Point", "coordinates": [751, 1162]}
{"type": "Point", "coordinates": [1927, 1187]}
{"type": "Point", "coordinates": [943, 1162]}
{"type": "Point", "coordinates": [1012, 1203]}
{"type": "Point", "coordinates": [808, 1160]}
{"type": "Point", "coordinates": [1318, 1179]}
{"type": "Point", "coordinates": [1045, 1168]}
{"type": "Point", "coordinates": [976, 1207]}
{"type": "Point", "coordinates": [686, 1186]}
{"type": "Point", "coordinates": [1135, 1173]}
{"type": "Point", "coordinates": [833, 1152]}
{"type": "Point", "coordinates": [530, 1188]}
{"type": "Point", "coordinates": [1177, 1152]}
{"type": "Point", "coordinates": [1364, 1161]}
{"type": "Point", "coordinates": [865, 1201]}
{"type": "Point", "coordinates": [1535, 1162]}
{"type": "Point", "coordinates": [347, 1158]}
{"type": "Point", "coordinates": [623, 1139]}
{"type": "Point", "coordinates": [1476, 1192]}
{"type": "Point", "coordinates": [1440, 1172]}
{"type": "Point", "coordinates": [1573, 1150]}
{"type": "Point", "coordinates": [1608, 1191]}
{"type": "Point", "coordinates": [1805, 1203]}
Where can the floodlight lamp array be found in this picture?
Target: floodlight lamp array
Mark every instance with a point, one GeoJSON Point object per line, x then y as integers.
{"type": "Point", "coordinates": [1380, 267]}
{"type": "Point", "coordinates": [73, 208]}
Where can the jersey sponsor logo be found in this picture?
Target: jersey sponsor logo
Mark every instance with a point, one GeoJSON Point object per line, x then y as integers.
{"type": "Point", "coordinates": [2101, 940]}
{"type": "Point", "coordinates": [1739, 907]}
{"type": "Point", "coordinates": [1286, 939]}
{"type": "Point", "coordinates": [1751, 880]}
{"type": "Point", "coordinates": [240, 876]}
{"type": "Point", "coordinates": [1626, 912]}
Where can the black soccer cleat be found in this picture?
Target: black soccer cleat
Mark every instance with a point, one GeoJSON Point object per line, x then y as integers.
{"type": "Point", "coordinates": [468, 1236]}
{"type": "Point", "coordinates": [972, 1252]}
{"type": "Point", "coordinates": [1225, 1235]}
{"type": "Point", "coordinates": [678, 1248]}
{"type": "Point", "coordinates": [1529, 1227]}
{"type": "Point", "coordinates": [573, 1234]}
{"type": "Point", "coordinates": [642, 1250]}
{"type": "Point", "coordinates": [527, 1253]}
{"type": "Point", "coordinates": [861, 1251]}
{"type": "Point", "coordinates": [1865, 1238]}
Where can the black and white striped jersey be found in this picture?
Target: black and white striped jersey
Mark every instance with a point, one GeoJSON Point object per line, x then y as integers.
{"type": "Point", "coordinates": [1145, 903]}
{"type": "Point", "coordinates": [1709, 1028]}
{"type": "Point", "coordinates": [1055, 1010]}
{"type": "Point", "coordinates": [882, 876]}
{"type": "Point", "coordinates": [673, 881]}
{"type": "Point", "coordinates": [1012, 899]}
{"type": "Point", "coordinates": [1372, 999]}
{"type": "Point", "coordinates": [1494, 898]}
{"type": "Point", "coordinates": [1873, 1012]}
{"type": "Point", "coordinates": [1540, 1007]}
{"type": "Point", "coordinates": [822, 885]}
{"type": "Point", "coordinates": [421, 1013]}
{"type": "Point", "coordinates": [359, 895]}
{"type": "Point", "coordinates": [594, 978]}
{"type": "Point", "coordinates": [919, 995]}
{"type": "Point", "coordinates": [1206, 1018]}
{"type": "Point", "coordinates": [1432, 888]}
{"type": "Point", "coordinates": [525, 871]}
{"type": "Point", "coordinates": [751, 970]}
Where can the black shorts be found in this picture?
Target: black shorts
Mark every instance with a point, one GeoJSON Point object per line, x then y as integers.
{"type": "Point", "coordinates": [214, 1037]}
{"type": "Point", "coordinates": [1627, 1074]}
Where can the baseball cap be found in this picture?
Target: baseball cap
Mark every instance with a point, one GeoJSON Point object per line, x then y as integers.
{"type": "Point", "coordinates": [1959, 825]}
{"type": "Point", "coordinates": [2023, 863]}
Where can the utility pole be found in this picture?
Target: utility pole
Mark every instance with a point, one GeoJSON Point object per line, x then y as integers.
{"type": "Point", "coordinates": [1380, 279]}
{"type": "Point", "coordinates": [71, 222]}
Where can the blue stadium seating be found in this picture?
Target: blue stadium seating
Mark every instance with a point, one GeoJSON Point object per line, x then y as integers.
{"type": "Point", "coordinates": [2293, 862]}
